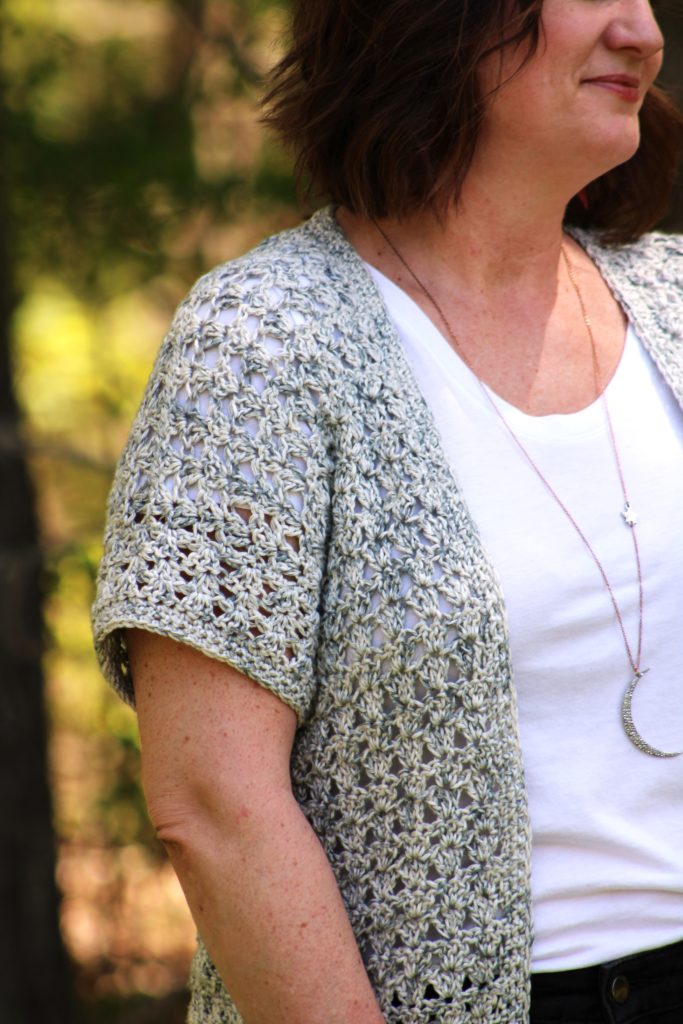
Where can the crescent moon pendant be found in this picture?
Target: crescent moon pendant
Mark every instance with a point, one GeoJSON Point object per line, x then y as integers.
{"type": "Point", "coordinates": [631, 731]}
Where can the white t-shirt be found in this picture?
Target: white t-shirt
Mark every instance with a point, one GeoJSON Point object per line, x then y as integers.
{"type": "Point", "coordinates": [607, 819]}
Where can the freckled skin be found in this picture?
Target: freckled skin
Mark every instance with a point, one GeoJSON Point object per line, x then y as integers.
{"type": "Point", "coordinates": [256, 879]}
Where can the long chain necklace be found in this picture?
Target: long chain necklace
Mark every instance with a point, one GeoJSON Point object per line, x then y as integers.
{"type": "Point", "coordinates": [628, 513]}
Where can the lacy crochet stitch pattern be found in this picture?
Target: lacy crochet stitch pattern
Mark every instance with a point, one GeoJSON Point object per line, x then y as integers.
{"type": "Point", "coordinates": [283, 504]}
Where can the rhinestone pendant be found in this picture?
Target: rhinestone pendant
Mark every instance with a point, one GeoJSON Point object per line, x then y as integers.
{"type": "Point", "coordinates": [629, 726]}
{"type": "Point", "coordinates": [629, 515]}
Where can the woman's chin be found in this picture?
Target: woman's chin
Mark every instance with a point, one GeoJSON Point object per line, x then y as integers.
{"type": "Point", "coordinates": [611, 151]}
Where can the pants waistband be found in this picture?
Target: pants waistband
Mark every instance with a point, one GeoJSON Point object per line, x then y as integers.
{"type": "Point", "coordinates": [635, 989]}
{"type": "Point", "coordinates": [585, 978]}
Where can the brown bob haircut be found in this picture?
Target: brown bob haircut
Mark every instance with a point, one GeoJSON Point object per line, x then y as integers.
{"type": "Point", "coordinates": [379, 100]}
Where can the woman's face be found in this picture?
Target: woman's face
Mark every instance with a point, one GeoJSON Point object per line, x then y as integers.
{"type": "Point", "coordinates": [576, 102]}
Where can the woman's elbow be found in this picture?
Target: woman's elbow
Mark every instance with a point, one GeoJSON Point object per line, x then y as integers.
{"type": "Point", "coordinates": [192, 827]}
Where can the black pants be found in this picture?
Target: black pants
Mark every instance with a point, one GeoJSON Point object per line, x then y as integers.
{"type": "Point", "coordinates": [643, 989]}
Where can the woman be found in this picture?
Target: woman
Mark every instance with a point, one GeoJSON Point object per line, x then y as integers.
{"type": "Point", "coordinates": [356, 439]}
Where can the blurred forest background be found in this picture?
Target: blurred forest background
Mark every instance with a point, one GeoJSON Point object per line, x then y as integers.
{"type": "Point", "coordinates": [132, 161]}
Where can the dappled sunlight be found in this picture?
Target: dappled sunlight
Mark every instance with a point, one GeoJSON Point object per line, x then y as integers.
{"type": "Point", "coordinates": [139, 163]}
{"type": "Point", "coordinates": [54, 371]}
{"type": "Point", "coordinates": [125, 920]}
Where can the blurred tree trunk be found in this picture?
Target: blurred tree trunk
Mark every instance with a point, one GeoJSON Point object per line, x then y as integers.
{"type": "Point", "coordinates": [34, 985]}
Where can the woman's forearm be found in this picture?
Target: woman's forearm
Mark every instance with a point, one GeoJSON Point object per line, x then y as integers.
{"type": "Point", "coordinates": [216, 751]}
{"type": "Point", "coordinates": [267, 906]}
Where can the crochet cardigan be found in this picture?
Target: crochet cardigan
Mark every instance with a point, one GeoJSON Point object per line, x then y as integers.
{"type": "Point", "coordinates": [284, 505]}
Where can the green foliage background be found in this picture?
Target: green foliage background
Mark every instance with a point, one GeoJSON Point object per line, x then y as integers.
{"type": "Point", "coordinates": [135, 161]}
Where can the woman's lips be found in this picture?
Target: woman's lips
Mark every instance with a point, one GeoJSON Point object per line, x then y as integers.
{"type": "Point", "coordinates": [625, 86]}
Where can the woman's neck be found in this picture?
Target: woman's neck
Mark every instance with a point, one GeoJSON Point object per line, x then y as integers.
{"type": "Point", "coordinates": [492, 240]}
{"type": "Point", "coordinates": [496, 271]}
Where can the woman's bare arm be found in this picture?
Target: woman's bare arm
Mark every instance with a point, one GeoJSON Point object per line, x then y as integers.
{"type": "Point", "coordinates": [215, 763]}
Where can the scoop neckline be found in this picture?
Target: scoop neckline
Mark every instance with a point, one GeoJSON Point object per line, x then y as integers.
{"type": "Point", "coordinates": [449, 356]}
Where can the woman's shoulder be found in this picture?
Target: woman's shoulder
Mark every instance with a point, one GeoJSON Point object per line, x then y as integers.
{"type": "Point", "coordinates": [309, 268]}
{"type": "Point", "coordinates": [654, 260]}
{"type": "Point", "coordinates": [302, 297]}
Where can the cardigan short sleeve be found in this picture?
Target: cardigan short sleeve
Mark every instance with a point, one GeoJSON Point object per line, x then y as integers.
{"type": "Point", "coordinates": [217, 517]}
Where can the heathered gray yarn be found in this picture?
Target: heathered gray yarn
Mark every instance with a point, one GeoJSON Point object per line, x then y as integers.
{"type": "Point", "coordinates": [284, 504]}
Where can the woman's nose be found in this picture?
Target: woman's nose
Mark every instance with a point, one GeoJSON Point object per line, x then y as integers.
{"type": "Point", "coordinates": [634, 27]}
